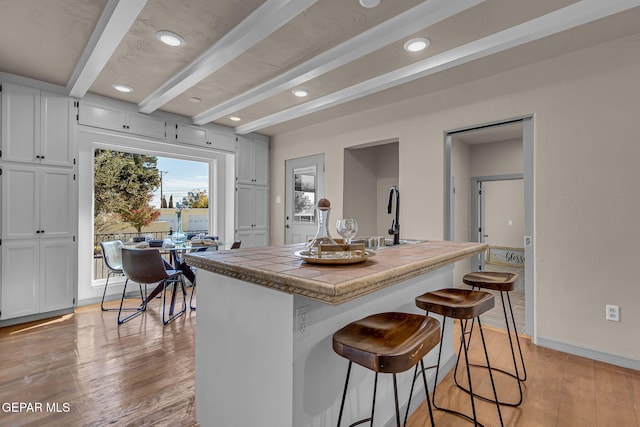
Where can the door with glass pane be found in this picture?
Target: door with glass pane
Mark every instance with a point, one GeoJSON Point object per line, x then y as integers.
{"type": "Point", "coordinates": [304, 187]}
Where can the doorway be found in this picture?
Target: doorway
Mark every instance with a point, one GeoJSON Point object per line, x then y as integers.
{"type": "Point", "coordinates": [497, 216]}
{"type": "Point", "coordinates": [475, 157]}
{"type": "Point", "coordinates": [303, 188]}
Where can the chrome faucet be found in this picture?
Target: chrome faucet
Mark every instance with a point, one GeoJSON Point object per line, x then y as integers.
{"type": "Point", "coordinates": [395, 225]}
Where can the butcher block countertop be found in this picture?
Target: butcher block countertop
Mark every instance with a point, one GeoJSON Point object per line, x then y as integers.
{"type": "Point", "coordinates": [278, 267]}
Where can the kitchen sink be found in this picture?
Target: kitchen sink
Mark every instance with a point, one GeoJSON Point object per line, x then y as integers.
{"type": "Point", "coordinates": [372, 242]}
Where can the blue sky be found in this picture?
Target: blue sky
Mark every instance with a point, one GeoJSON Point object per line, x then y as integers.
{"type": "Point", "coordinates": [182, 176]}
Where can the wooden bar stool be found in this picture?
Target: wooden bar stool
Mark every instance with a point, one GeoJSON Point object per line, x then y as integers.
{"type": "Point", "coordinates": [503, 282]}
{"type": "Point", "coordinates": [388, 343]}
{"type": "Point", "coordinates": [461, 304]}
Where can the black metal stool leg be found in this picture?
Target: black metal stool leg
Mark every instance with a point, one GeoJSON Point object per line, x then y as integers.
{"type": "Point", "coordinates": [515, 328]}
{"type": "Point", "coordinates": [426, 390]}
{"type": "Point", "coordinates": [515, 375]}
{"type": "Point", "coordinates": [466, 357]}
{"type": "Point", "coordinates": [373, 403]}
{"type": "Point", "coordinates": [413, 383]}
{"type": "Point", "coordinates": [344, 393]}
{"type": "Point", "coordinates": [493, 384]}
{"type": "Point", "coordinates": [395, 398]}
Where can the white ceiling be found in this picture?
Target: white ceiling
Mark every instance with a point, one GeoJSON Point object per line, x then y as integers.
{"type": "Point", "coordinates": [243, 57]}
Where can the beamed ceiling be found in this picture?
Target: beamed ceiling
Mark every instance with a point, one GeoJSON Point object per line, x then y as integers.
{"type": "Point", "coordinates": [244, 57]}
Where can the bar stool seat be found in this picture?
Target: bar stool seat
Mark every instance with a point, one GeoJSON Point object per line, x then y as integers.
{"type": "Point", "coordinates": [461, 304]}
{"type": "Point", "coordinates": [495, 280]}
{"type": "Point", "coordinates": [387, 343]}
{"type": "Point", "coordinates": [503, 282]}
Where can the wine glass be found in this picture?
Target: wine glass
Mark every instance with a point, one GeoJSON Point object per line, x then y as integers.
{"type": "Point", "coordinates": [347, 228]}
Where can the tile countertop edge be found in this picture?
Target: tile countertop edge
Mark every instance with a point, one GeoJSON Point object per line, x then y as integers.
{"type": "Point", "coordinates": [327, 292]}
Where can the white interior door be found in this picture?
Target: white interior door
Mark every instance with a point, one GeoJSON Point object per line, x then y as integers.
{"type": "Point", "coordinates": [304, 187]}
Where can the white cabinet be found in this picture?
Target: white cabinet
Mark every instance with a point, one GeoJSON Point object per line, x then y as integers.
{"type": "Point", "coordinates": [36, 126]}
{"type": "Point", "coordinates": [113, 118]}
{"type": "Point", "coordinates": [37, 276]}
{"type": "Point", "coordinates": [57, 262]}
{"type": "Point", "coordinates": [204, 137]}
{"type": "Point", "coordinates": [252, 217]}
{"type": "Point", "coordinates": [38, 243]}
{"type": "Point", "coordinates": [252, 160]}
{"type": "Point", "coordinates": [36, 202]}
{"type": "Point", "coordinates": [37, 246]}
{"type": "Point", "coordinates": [20, 284]}
{"type": "Point", "coordinates": [252, 191]}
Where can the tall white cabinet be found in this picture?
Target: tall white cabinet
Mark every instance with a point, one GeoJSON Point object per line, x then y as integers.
{"type": "Point", "coordinates": [38, 246]}
{"type": "Point", "coordinates": [252, 190]}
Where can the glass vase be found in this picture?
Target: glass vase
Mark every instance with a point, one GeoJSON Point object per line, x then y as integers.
{"type": "Point", "coordinates": [322, 235]}
{"type": "Point", "coordinates": [178, 237]}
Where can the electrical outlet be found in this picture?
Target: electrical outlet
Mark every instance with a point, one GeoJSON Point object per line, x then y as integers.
{"type": "Point", "coordinates": [302, 321]}
{"type": "Point", "coordinates": [613, 313]}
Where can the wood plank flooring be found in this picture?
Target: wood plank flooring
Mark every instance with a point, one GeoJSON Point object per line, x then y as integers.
{"type": "Point", "coordinates": [142, 374]}
{"type": "Point", "coordinates": [561, 390]}
{"type": "Point", "coordinates": [138, 374]}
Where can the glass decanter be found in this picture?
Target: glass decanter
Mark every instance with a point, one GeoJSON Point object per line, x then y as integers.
{"type": "Point", "coordinates": [322, 235]}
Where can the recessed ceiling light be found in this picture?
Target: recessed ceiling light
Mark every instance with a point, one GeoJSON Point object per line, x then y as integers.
{"type": "Point", "coordinates": [369, 3]}
{"type": "Point", "coordinates": [169, 38]}
{"type": "Point", "coordinates": [235, 118]}
{"type": "Point", "coordinates": [416, 45]}
{"type": "Point", "coordinates": [123, 88]}
{"type": "Point", "coordinates": [300, 93]}
{"type": "Point", "coordinates": [195, 99]}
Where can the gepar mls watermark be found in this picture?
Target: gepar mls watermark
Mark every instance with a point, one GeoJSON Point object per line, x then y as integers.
{"type": "Point", "coordinates": [33, 407]}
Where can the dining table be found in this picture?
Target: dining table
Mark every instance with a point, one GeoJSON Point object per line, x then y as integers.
{"type": "Point", "coordinates": [176, 262]}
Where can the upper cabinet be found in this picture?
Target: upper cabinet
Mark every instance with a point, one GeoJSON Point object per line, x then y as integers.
{"type": "Point", "coordinates": [113, 118]}
{"type": "Point", "coordinates": [253, 160]}
{"type": "Point", "coordinates": [36, 126]}
{"type": "Point", "coordinates": [205, 137]}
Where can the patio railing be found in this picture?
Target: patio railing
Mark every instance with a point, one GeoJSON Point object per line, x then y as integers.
{"type": "Point", "coordinates": [100, 269]}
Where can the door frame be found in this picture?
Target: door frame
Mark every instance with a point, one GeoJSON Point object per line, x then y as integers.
{"type": "Point", "coordinates": [300, 162]}
{"type": "Point", "coordinates": [529, 205]}
{"type": "Point", "coordinates": [477, 210]}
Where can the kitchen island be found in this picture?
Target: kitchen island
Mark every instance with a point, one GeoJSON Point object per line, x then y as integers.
{"type": "Point", "coordinates": [265, 320]}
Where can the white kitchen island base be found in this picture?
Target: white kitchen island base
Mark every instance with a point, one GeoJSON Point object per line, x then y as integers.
{"type": "Point", "coordinates": [264, 357]}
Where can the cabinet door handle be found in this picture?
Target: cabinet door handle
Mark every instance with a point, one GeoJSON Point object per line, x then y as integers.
{"type": "Point", "coordinates": [37, 231]}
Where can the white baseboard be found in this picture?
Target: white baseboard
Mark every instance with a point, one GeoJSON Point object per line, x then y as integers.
{"type": "Point", "coordinates": [34, 317]}
{"type": "Point", "coordinates": [600, 356]}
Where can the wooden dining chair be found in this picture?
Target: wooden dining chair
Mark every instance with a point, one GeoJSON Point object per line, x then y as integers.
{"type": "Point", "coordinates": [146, 267]}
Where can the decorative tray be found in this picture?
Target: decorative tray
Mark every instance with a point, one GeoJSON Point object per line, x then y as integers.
{"type": "Point", "coordinates": [336, 254]}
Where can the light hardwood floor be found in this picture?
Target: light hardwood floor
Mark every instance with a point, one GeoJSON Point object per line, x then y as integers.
{"type": "Point", "coordinates": [142, 373]}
